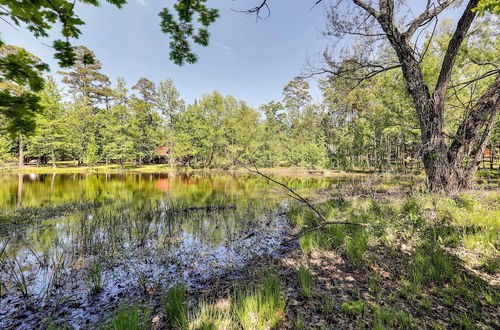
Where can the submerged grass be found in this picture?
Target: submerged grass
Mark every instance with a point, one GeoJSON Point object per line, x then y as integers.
{"type": "Point", "coordinates": [18, 219]}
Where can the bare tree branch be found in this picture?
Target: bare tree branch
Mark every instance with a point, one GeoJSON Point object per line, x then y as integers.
{"type": "Point", "coordinates": [367, 7]}
{"type": "Point", "coordinates": [426, 16]}
{"type": "Point", "coordinates": [293, 194]}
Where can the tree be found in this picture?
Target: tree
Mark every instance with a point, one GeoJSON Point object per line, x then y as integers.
{"type": "Point", "coordinates": [170, 104]}
{"type": "Point", "coordinates": [145, 124]}
{"type": "Point", "coordinates": [48, 138]}
{"type": "Point", "coordinates": [147, 89]}
{"type": "Point", "coordinates": [85, 80]}
{"type": "Point", "coordinates": [296, 95]}
{"type": "Point", "coordinates": [450, 162]}
{"type": "Point", "coordinates": [117, 136]}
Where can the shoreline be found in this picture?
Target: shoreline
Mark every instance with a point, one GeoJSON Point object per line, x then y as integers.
{"type": "Point", "coordinates": [154, 168]}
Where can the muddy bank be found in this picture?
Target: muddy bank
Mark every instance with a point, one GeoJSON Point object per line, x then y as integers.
{"type": "Point", "coordinates": [142, 274]}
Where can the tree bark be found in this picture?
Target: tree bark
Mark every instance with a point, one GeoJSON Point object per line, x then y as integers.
{"type": "Point", "coordinates": [450, 167]}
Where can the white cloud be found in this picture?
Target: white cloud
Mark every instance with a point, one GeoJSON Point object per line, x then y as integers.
{"type": "Point", "coordinates": [143, 2]}
{"type": "Point", "coordinates": [226, 49]}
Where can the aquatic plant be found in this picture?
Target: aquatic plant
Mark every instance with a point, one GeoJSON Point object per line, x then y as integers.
{"type": "Point", "coordinates": [94, 277]}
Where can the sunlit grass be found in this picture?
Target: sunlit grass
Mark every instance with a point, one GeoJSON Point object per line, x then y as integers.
{"type": "Point", "coordinates": [261, 307]}
{"type": "Point", "coordinates": [174, 302]}
{"type": "Point", "coordinates": [211, 317]}
{"type": "Point", "coordinates": [306, 280]}
{"type": "Point", "coordinates": [129, 317]}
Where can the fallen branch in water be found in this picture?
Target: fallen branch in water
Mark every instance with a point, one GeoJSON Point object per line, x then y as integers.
{"type": "Point", "coordinates": [324, 221]}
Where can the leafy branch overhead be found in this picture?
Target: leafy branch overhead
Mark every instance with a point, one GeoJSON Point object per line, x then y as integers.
{"type": "Point", "coordinates": [182, 29]}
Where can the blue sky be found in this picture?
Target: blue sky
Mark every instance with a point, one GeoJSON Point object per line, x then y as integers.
{"type": "Point", "coordinates": [247, 59]}
{"type": "Point", "coordinates": [251, 60]}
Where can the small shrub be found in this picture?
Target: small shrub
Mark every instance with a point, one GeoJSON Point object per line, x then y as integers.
{"type": "Point", "coordinates": [306, 280]}
{"type": "Point", "coordinates": [174, 302]}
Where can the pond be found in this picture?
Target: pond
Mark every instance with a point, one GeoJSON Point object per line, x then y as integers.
{"type": "Point", "coordinates": [71, 245]}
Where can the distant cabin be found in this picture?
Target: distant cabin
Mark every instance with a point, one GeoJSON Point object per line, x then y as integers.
{"type": "Point", "coordinates": [162, 153]}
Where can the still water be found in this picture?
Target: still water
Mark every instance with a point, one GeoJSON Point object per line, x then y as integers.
{"type": "Point", "coordinates": [72, 244]}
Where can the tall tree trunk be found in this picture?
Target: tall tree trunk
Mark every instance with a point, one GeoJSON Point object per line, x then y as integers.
{"type": "Point", "coordinates": [450, 167]}
{"type": "Point", "coordinates": [21, 151]}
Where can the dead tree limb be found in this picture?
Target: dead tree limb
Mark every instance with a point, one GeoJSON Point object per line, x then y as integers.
{"type": "Point", "coordinates": [292, 193]}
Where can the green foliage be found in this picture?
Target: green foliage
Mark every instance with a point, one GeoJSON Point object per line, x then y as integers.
{"type": "Point", "coordinates": [91, 156]}
{"type": "Point", "coordinates": [306, 280]}
{"type": "Point", "coordinates": [175, 306]}
{"type": "Point", "coordinates": [352, 308]}
{"type": "Point", "coordinates": [94, 277]}
{"type": "Point", "coordinates": [20, 79]}
{"type": "Point", "coordinates": [492, 6]}
{"type": "Point", "coordinates": [261, 307]}
{"type": "Point", "coordinates": [129, 317]}
{"type": "Point", "coordinates": [182, 29]}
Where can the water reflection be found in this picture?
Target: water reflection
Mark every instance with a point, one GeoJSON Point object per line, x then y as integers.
{"type": "Point", "coordinates": [129, 234]}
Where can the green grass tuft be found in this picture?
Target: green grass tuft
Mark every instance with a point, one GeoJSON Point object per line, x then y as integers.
{"type": "Point", "coordinates": [174, 302]}
{"type": "Point", "coordinates": [306, 280]}
{"type": "Point", "coordinates": [129, 317]}
{"type": "Point", "coordinates": [261, 307]}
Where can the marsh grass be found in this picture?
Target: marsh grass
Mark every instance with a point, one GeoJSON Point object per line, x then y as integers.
{"type": "Point", "coordinates": [18, 219]}
{"type": "Point", "coordinates": [94, 277]}
{"type": "Point", "coordinates": [306, 280]}
{"type": "Point", "coordinates": [211, 317]}
{"type": "Point", "coordinates": [352, 240]}
{"type": "Point", "coordinates": [262, 306]}
{"type": "Point", "coordinates": [129, 317]}
{"type": "Point", "coordinates": [175, 306]}
{"type": "Point", "coordinates": [431, 265]}
{"type": "Point", "coordinates": [438, 238]}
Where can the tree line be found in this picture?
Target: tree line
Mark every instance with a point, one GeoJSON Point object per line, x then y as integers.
{"type": "Point", "coordinates": [373, 126]}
